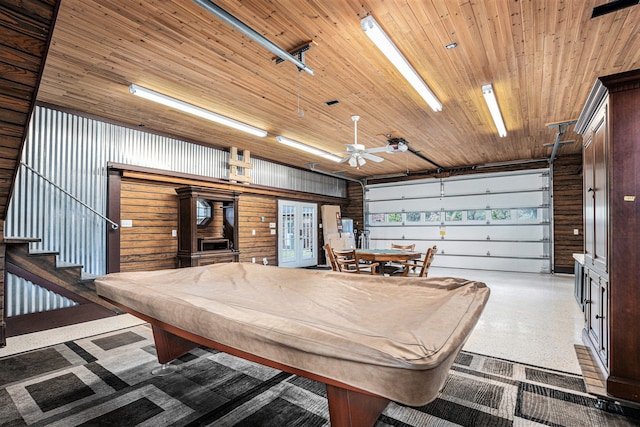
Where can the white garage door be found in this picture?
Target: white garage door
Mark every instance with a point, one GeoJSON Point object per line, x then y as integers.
{"type": "Point", "coordinates": [497, 221]}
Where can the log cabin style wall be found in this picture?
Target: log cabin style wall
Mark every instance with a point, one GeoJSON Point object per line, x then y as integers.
{"type": "Point", "coordinates": [148, 198]}
{"type": "Point", "coordinates": [353, 208]}
{"type": "Point", "coordinates": [252, 208]}
{"type": "Point", "coordinates": [25, 32]}
{"type": "Point", "coordinates": [2, 285]}
{"type": "Point", "coordinates": [153, 210]}
{"type": "Point", "coordinates": [567, 212]}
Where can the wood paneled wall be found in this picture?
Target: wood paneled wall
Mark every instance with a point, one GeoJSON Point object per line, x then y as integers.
{"type": "Point", "coordinates": [353, 207]}
{"type": "Point", "coordinates": [153, 209]}
{"type": "Point", "coordinates": [251, 209]}
{"type": "Point", "coordinates": [150, 201]}
{"type": "Point", "coordinates": [2, 313]}
{"type": "Point", "coordinates": [25, 27]}
{"type": "Point", "coordinates": [567, 211]}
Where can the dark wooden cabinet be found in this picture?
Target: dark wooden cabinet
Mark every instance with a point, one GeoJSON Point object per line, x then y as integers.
{"type": "Point", "coordinates": [610, 126]}
{"type": "Point", "coordinates": [207, 226]}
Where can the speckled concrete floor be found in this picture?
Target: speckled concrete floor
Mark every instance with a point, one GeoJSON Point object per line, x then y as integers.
{"type": "Point", "coordinates": [529, 318]}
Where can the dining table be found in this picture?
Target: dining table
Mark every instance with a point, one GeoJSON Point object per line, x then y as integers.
{"type": "Point", "coordinates": [386, 256]}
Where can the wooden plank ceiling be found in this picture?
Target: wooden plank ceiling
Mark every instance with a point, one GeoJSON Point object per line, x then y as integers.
{"type": "Point", "coordinates": [541, 56]}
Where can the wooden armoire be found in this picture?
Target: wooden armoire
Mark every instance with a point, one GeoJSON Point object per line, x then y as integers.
{"type": "Point", "coordinates": [207, 226]}
{"type": "Point", "coordinates": [610, 126]}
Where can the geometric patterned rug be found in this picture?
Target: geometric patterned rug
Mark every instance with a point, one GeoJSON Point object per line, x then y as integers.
{"type": "Point", "coordinates": [106, 380]}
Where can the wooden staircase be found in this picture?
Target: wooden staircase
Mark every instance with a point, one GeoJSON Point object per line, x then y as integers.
{"type": "Point", "coordinates": [67, 280]}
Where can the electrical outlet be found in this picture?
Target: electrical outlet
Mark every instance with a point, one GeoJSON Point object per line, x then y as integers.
{"type": "Point", "coordinates": [253, 260]}
{"type": "Point", "coordinates": [174, 233]}
{"type": "Point", "coordinates": [253, 232]}
{"type": "Point", "coordinates": [576, 231]}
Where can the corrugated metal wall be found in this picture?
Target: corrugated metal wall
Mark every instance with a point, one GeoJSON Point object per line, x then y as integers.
{"type": "Point", "coordinates": [73, 152]}
{"type": "Point", "coordinates": [24, 297]}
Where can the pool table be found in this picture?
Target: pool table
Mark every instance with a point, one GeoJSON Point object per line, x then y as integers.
{"type": "Point", "coordinates": [370, 339]}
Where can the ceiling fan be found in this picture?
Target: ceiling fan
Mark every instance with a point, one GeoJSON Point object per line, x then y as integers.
{"type": "Point", "coordinates": [357, 155]}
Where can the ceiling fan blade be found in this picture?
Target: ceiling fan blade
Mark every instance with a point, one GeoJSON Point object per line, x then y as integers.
{"type": "Point", "coordinates": [377, 150]}
{"type": "Point", "coordinates": [372, 157]}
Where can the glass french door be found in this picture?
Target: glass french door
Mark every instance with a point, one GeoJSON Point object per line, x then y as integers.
{"type": "Point", "coordinates": [297, 234]}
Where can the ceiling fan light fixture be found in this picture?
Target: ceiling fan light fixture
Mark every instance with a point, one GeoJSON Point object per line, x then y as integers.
{"type": "Point", "coordinates": [393, 54]}
{"type": "Point", "coordinates": [185, 107]}
{"type": "Point", "coordinates": [309, 149]}
{"type": "Point", "coordinates": [494, 109]}
{"type": "Point", "coordinates": [353, 162]}
{"type": "Point", "coordinates": [361, 161]}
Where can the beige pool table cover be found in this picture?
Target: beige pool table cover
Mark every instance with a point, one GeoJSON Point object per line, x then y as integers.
{"type": "Point", "coordinates": [392, 336]}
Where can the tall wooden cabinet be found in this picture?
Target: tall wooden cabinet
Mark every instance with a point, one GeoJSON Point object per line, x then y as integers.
{"type": "Point", "coordinates": [207, 227]}
{"type": "Point", "coordinates": [610, 126]}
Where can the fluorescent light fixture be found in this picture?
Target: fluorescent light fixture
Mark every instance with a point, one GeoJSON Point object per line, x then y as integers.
{"type": "Point", "coordinates": [494, 109]}
{"type": "Point", "coordinates": [192, 109]}
{"type": "Point", "coordinates": [384, 43]}
{"type": "Point", "coordinates": [308, 148]}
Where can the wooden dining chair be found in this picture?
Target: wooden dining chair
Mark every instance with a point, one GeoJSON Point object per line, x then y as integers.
{"type": "Point", "coordinates": [422, 264]}
{"type": "Point", "coordinates": [405, 247]}
{"type": "Point", "coordinates": [347, 262]}
{"type": "Point", "coordinates": [331, 257]}
{"type": "Point", "coordinates": [395, 267]}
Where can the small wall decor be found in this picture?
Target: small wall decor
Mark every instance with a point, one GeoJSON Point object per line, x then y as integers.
{"type": "Point", "coordinates": [239, 169]}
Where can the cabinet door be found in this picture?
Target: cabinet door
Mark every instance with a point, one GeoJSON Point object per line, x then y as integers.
{"type": "Point", "coordinates": [597, 313]}
{"type": "Point", "coordinates": [589, 186]}
{"type": "Point", "coordinates": [600, 193]}
{"type": "Point", "coordinates": [604, 322]}
{"type": "Point", "coordinates": [592, 312]}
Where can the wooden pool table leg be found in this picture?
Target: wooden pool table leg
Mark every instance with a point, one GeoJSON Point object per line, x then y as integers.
{"type": "Point", "coordinates": [347, 408]}
{"type": "Point", "coordinates": [170, 346]}
{"type": "Point", "coordinates": [353, 409]}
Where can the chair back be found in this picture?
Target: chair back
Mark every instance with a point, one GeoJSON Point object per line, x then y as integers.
{"type": "Point", "coordinates": [428, 258]}
{"type": "Point", "coordinates": [331, 257]}
{"type": "Point", "coordinates": [346, 260]}
{"type": "Point", "coordinates": [405, 247]}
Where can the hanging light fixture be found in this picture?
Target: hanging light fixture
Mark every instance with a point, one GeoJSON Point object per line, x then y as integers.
{"type": "Point", "coordinates": [167, 101]}
{"type": "Point", "coordinates": [494, 109]}
{"type": "Point", "coordinates": [393, 54]}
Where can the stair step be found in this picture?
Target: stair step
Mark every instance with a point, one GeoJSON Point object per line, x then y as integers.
{"type": "Point", "coordinates": [87, 278]}
{"type": "Point", "coordinates": [18, 240]}
{"type": "Point", "coordinates": [37, 252]}
{"type": "Point", "coordinates": [61, 264]}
